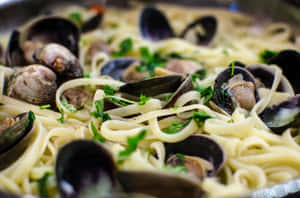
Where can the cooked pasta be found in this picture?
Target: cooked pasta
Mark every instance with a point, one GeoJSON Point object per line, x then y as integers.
{"type": "Point", "coordinates": [255, 156]}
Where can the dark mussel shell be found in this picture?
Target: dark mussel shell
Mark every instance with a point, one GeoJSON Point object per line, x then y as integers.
{"type": "Point", "coordinates": [15, 139]}
{"type": "Point", "coordinates": [153, 86]}
{"type": "Point", "coordinates": [185, 86]}
{"type": "Point", "coordinates": [154, 25]}
{"type": "Point", "coordinates": [82, 165]}
{"type": "Point", "coordinates": [52, 29]}
{"type": "Point", "coordinates": [289, 62]}
{"type": "Point", "coordinates": [282, 116]}
{"type": "Point", "coordinates": [208, 23]}
{"type": "Point", "coordinates": [266, 76]}
{"type": "Point", "coordinates": [116, 67]}
{"type": "Point", "coordinates": [160, 185]}
{"type": "Point", "coordinates": [199, 146]}
{"type": "Point", "coordinates": [221, 96]}
{"type": "Point", "coordinates": [14, 54]}
{"type": "Point", "coordinates": [92, 23]}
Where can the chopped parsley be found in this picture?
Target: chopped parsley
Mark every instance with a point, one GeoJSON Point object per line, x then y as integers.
{"type": "Point", "coordinates": [124, 47]}
{"type": "Point", "coordinates": [150, 61]}
{"type": "Point", "coordinates": [47, 106]}
{"type": "Point", "coordinates": [110, 40]}
{"type": "Point", "coordinates": [42, 185]}
{"type": "Point", "coordinates": [226, 52]}
{"type": "Point", "coordinates": [132, 146]}
{"type": "Point", "coordinates": [76, 17]}
{"type": "Point", "coordinates": [174, 128]}
{"type": "Point", "coordinates": [206, 92]}
{"type": "Point", "coordinates": [200, 74]}
{"type": "Point", "coordinates": [143, 99]}
{"type": "Point", "coordinates": [108, 90]}
{"type": "Point", "coordinates": [266, 55]}
{"type": "Point", "coordinates": [99, 104]}
{"type": "Point", "coordinates": [86, 75]}
{"type": "Point", "coordinates": [180, 156]}
{"type": "Point", "coordinates": [31, 118]}
{"type": "Point", "coordinates": [200, 117]}
{"type": "Point", "coordinates": [62, 115]}
{"type": "Point", "coordinates": [175, 55]}
{"type": "Point", "coordinates": [121, 101]}
{"type": "Point", "coordinates": [96, 135]}
{"type": "Point", "coordinates": [68, 106]}
{"type": "Point", "coordinates": [232, 68]}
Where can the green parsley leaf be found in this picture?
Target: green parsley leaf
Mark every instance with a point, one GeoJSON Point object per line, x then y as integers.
{"type": "Point", "coordinates": [174, 128]}
{"type": "Point", "coordinates": [132, 146]}
{"type": "Point", "coordinates": [42, 185]}
{"type": "Point", "coordinates": [121, 101]}
{"type": "Point", "coordinates": [226, 52]}
{"type": "Point", "coordinates": [68, 106]}
{"type": "Point", "coordinates": [200, 117]}
{"type": "Point", "coordinates": [232, 68]}
{"type": "Point", "coordinates": [180, 156]}
{"type": "Point", "coordinates": [143, 99]}
{"type": "Point", "coordinates": [109, 91]}
{"type": "Point", "coordinates": [199, 74]}
{"type": "Point", "coordinates": [97, 136]}
{"type": "Point", "coordinates": [62, 115]}
{"type": "Point", "coordinates": [175, 55]}
{"type": "Point", "coordinates": [76, 17]}
{"type": "Point", "coordinates": [124, 47]}
{"type": "Point", "coordinates": [31, 118]}
{"type": "Point", "coordinates": [86, 75]}
{"type": "Point", "coordinates": [47, 106]}
{"type": "Point", "coordinates": [99, 104]}
{"type": "Point", "coordinates": [150, 61]}
{"type": "Point", "coordinates": [206, 92]}
{"type": "Point", "coordinates": [266, 55]}
{"type": "Point", "coordinates": [180, 168]}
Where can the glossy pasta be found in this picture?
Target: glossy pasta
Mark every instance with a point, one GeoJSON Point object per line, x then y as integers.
{"type": "Point", "coordinates": [255, 156]}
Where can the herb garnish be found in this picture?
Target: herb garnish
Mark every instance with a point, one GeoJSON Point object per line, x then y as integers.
{"type": "Point", "coordinates": [143, 99]}
{"type": "Point", "coordinates": [200, 74]}
{"type": "Point", "coordinates": [200, 117]}
{"type": "Point", "coordinates": [110, 40]}
{"type": "Point", "coordinates": [68, 106]}
{"type": "Point", "coordinates": [206, 92]}
{"type": "Point", "coordinates": [42, 185]}
{"type": "Point", "coordinates": [62, 115]}
{"type": "Point", "coordinates": [132, 146]}
{"type": "Point", "coordinates": [150, 61]}
{"type": "Point", "coordinates": [86, 75]}
{"type": "Point", "coordinates": [76, 17]}
{"type": "Point", "coordinates": [108, 90]}
{"type": "Point", "coordinates": [226, 52]}
{"type": "Point", "coordinates": [266, 55]}
{"type": "Point", "coordinates": [175, 128]}
{"type": "Point", "coordinates": [178, 168]}
{"type": "Point", "coordinates": [99, 104]}
{"type": "Point", "coordinates": [47, 106]}
{"type": "Point", "coordinates": [96, 135]}
{"type": "Point", "coordinates": [31, 118]}
{"type": "Point", "coordinates": [124, 47]}
{"type": "Point", "coordinates": [232, 68]}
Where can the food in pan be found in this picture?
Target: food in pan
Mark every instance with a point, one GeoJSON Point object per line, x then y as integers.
{"type": "Point", "coordinates": [152, 101]}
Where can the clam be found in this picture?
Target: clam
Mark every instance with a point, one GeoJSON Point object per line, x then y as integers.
{"type": "Point", "coordinates": [92, 23]}
{"type": "Point", "coordinates": [52, 41]}
{"type": "Point", "coordinates": [208, 25]}
{"type": "Point", "coordinates": [123, 69]}
{"type": "Point", "coordinates": [78, 97]}
{"type": "Point", "coordinates": [35, 84]}
{"type": "Point", "coordinates": [84, 166]}
{"type": "Point", "coordinates": [235, 87]}
{"type": "Point", "coordinates": [15, 136]}
{"type": "Point", "coordinates": [289, 61]}
{"type": "Point", "coordinates": [59, 59]}
{"type": "Point", "coordinates": [201, 155]}
{"type": "Point", "coordinates": [175, 84]}
{"type": "Point", "coordinates": [283, 116]}
{"type": "Point", "coordinates": [154, 26]}
{"type": "Point", "coordinates": [264, 77]}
